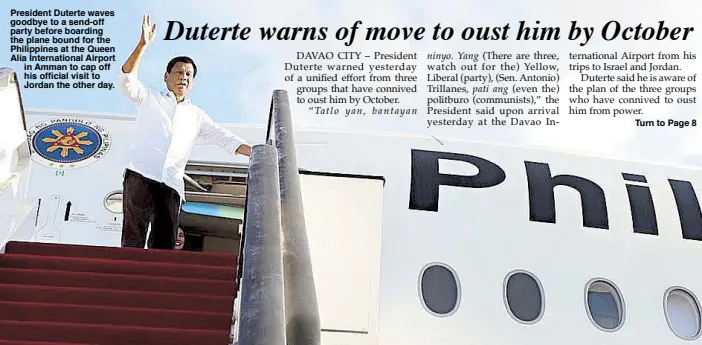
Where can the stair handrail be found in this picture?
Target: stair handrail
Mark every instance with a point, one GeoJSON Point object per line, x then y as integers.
{"type": "Point", "coordinates": [15, 163]}
{"type": "Point", "coordinates": [302, 323]}
{"type": "Point", "coordinates": [8, 77]}
{"type": "Point", "coordinates": [262, 299]}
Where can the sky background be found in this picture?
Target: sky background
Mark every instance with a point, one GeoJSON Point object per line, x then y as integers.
{"type": "Point", "coordinates": [236, 78]}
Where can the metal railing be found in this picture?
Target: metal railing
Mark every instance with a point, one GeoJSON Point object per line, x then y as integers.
{"type": "Point", "coordinates": [262, 298]}
{"type": "Point", "coordinates": [262, 319]}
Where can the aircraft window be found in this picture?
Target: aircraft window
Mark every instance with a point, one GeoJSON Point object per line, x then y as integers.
{"type": "Point", "coordinates": [605, 306]}
{"type": "Point", "coordinates": [439, 289]}
{"type": "Point", "coordinates": [113, 202]}
{"type": "Point", "coordinates": [524, 297]}
{"type": "Point", "coordinates": [682, 312]}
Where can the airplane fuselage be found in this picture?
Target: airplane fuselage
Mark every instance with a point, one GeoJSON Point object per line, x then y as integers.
{"type": "Point", "coordinates": [416, 241]}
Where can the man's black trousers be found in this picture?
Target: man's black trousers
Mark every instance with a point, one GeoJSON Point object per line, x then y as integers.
{"type": "Point", "coordinates": [145, 202]}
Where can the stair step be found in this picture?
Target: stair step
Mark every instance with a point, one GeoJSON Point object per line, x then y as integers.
{"type": "Point", "coordinates": [116, 281]}
{"type": "Point", "coordinates": [21, 342]}
{"type": "Point", "coordinates": [108, 335]}
{"type": "Point", "coordinates": [115, 298]}
{"type": "Point", "coordinates": [158, 318]}
{"type": "Point", "coordinates": [118, 253]}
{"type": "Point", "coordinates": [77, 264]}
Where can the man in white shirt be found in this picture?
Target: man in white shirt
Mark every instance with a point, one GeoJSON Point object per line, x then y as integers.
{"type": "Point", "coordinates": [167, 125]}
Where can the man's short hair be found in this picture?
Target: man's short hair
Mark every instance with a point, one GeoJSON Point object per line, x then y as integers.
{"type": "Point", "coordinates": [183, 59]}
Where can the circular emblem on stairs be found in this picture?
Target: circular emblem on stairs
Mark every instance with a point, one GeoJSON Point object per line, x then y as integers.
{"type": "Point", "coordinates": [68, 143]}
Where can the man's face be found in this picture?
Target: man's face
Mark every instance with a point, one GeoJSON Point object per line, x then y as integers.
{"type": "Point", "coordinates": [180, 79]}
{"type": "Point", "coordinates": [180, 240]}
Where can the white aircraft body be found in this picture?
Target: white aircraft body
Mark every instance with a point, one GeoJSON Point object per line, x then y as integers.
{"type": "Point", "coordinates": [414, 239]}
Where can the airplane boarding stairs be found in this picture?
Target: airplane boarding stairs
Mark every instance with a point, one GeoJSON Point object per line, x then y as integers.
{"type": "Point", "coordinates": [82, 295]}
{"type": "Point", "coordinates": [57, 293]}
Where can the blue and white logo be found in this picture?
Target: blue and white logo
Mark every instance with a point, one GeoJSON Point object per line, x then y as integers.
{"type": "Point", "coordinates": [68, 143]}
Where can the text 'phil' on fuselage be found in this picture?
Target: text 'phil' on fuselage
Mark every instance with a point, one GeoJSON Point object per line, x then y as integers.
{"type": "Point", "coordinates": [426, 181]}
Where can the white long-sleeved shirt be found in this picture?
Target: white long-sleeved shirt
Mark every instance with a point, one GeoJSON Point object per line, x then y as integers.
{"type": "Point", "coordinates": [165, 132]}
